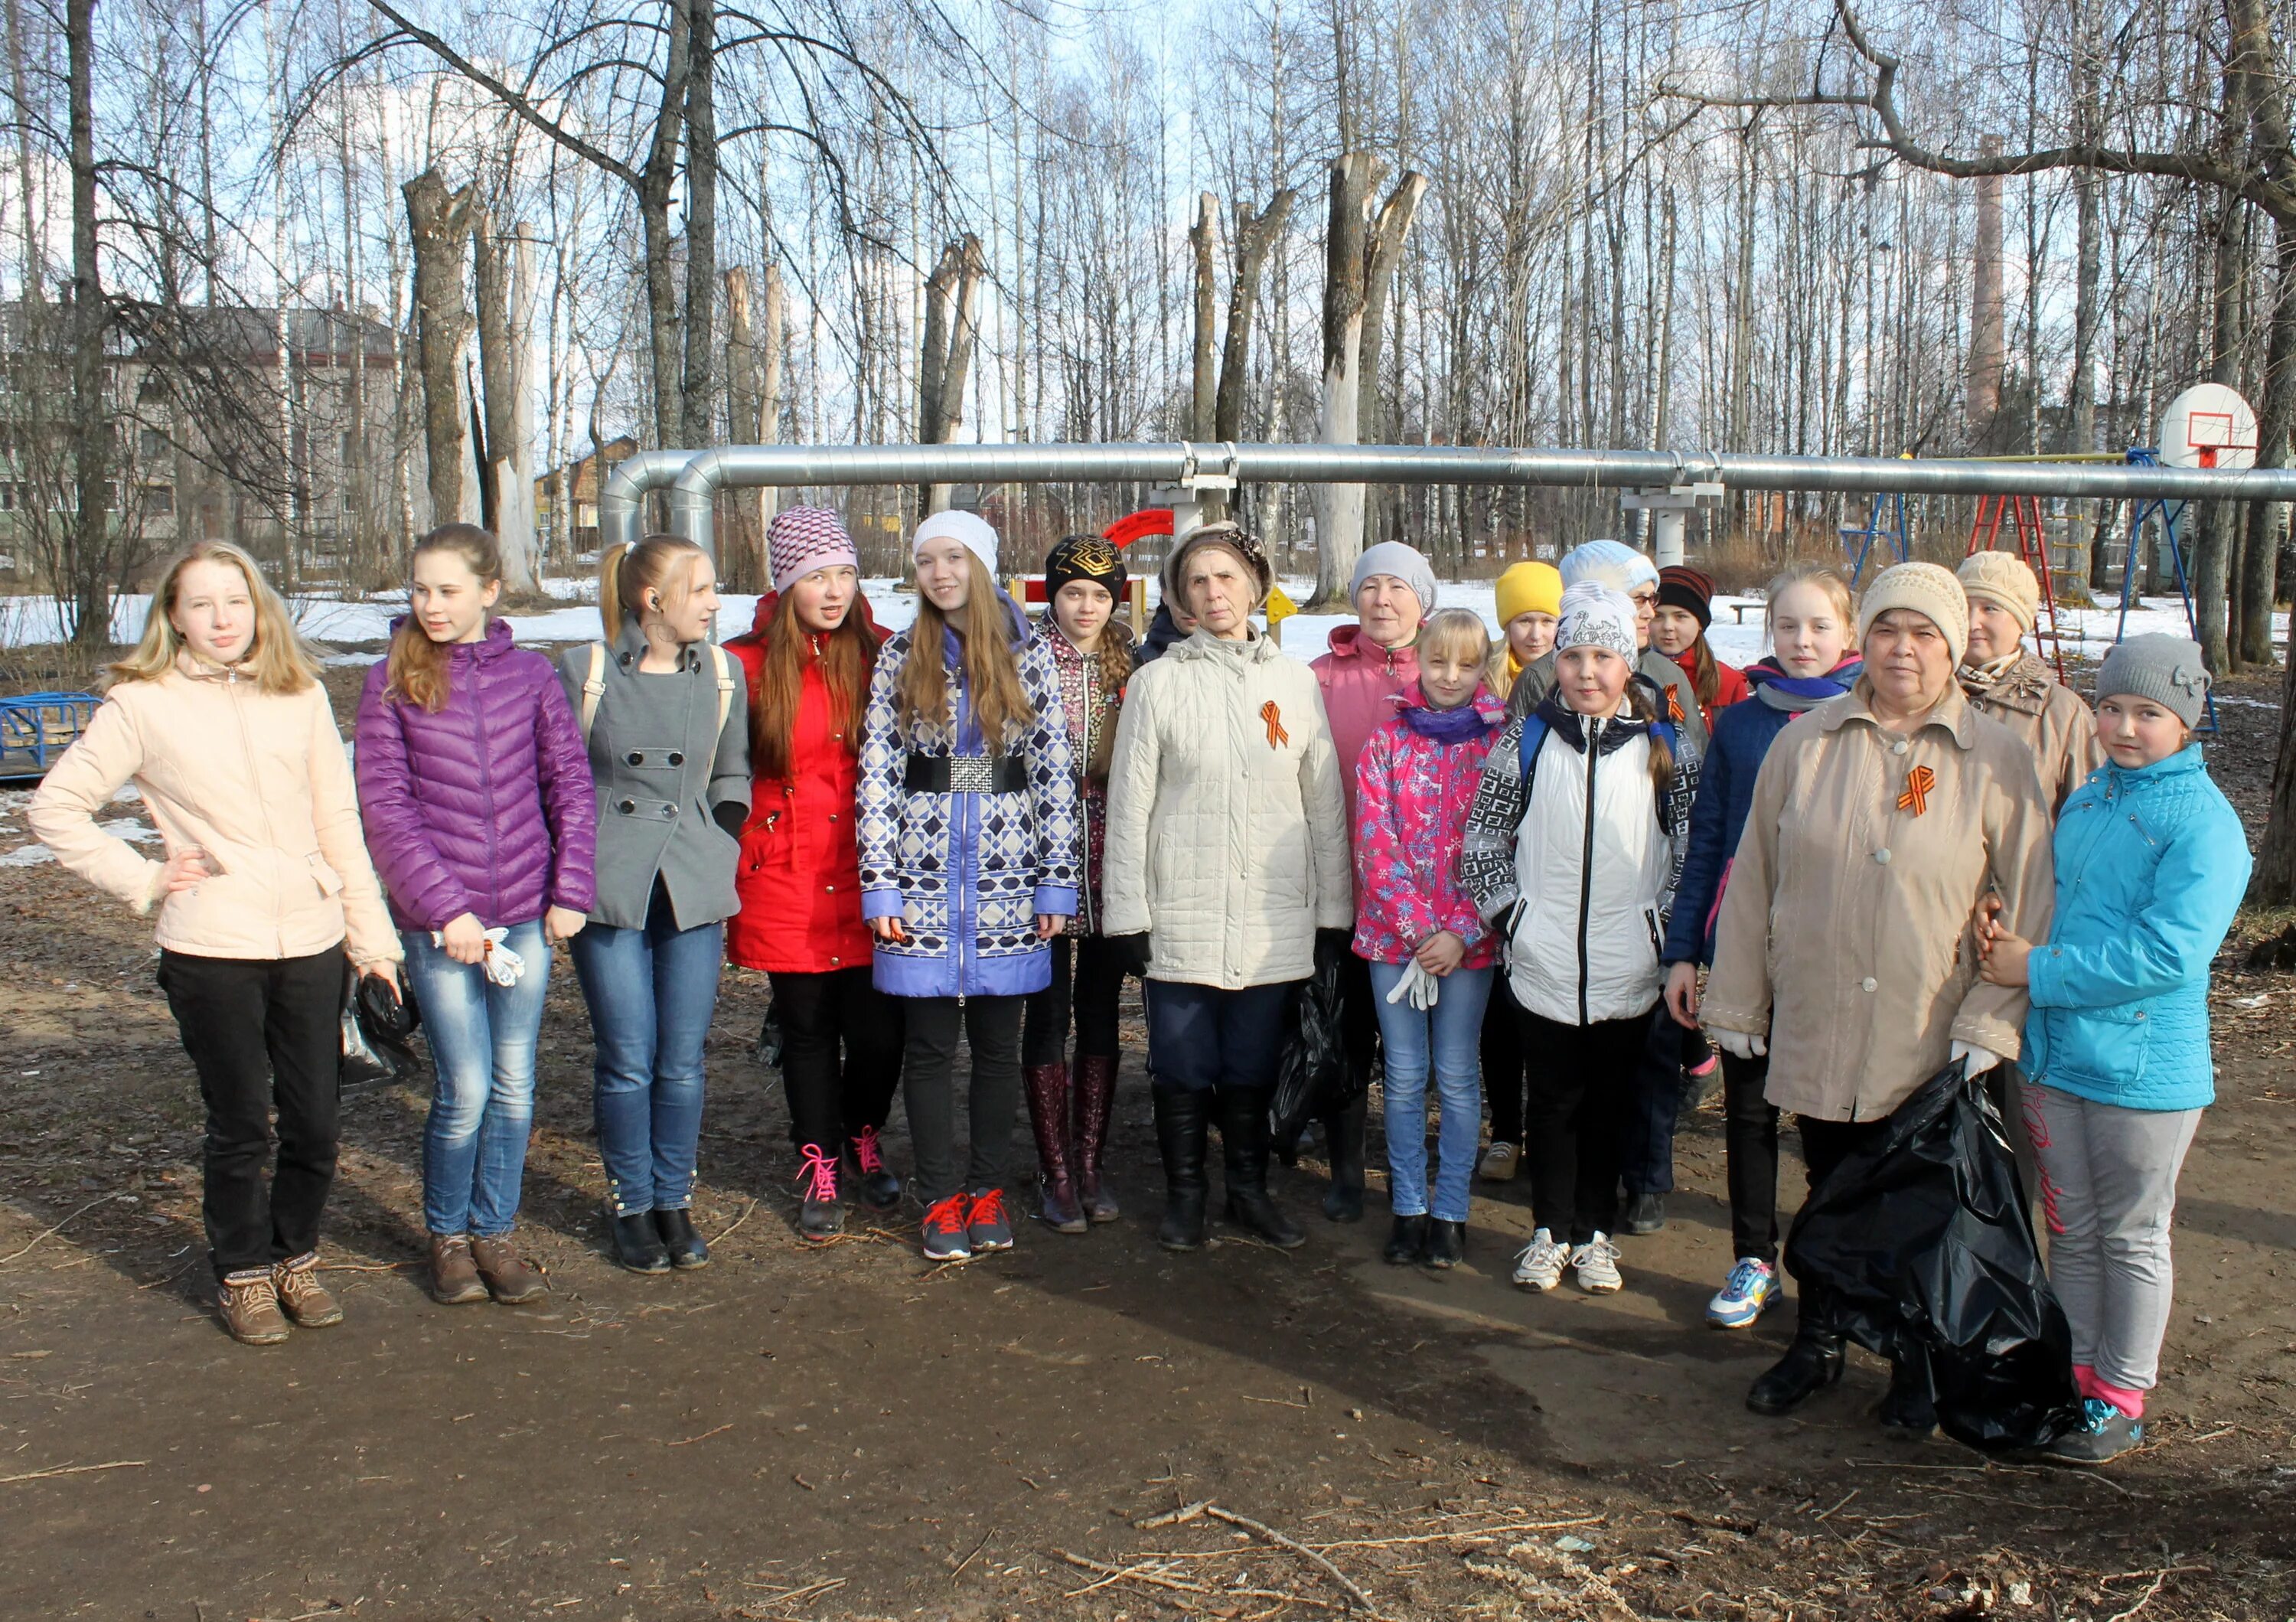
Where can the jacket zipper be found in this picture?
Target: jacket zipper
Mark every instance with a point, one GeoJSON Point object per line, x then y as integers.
{"type": "Point", "coordinates": [1593, 729]}
{"type": "Point", "coordinates": [486, 789]}
{"type": "Point", "coordinates": [247, 749]}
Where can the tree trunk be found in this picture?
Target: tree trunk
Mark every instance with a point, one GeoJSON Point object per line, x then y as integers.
{"type": "Point", "coordinates": [1203, 237]}
{"type": "Point", "coordinates": [2275, 419]}
{"type": "Point", "coordinates": [1383, 253]}
{"type": "Point", "coordinates": [438, 223]}
{"type": "Point", "coordinates": [768, 339]}
{"type": "Point", "coordinates": [655, 182]}
{"type": "Point", "coordinates": [2211, 562]}
{"type": "Point", "coordinates": [92, 424]}
{"type": "Point", "coordinates": [697, 394]}
{"type": "Point", "coordinates": [1986, 308]}
{"type": "Point", "coordinates": [945, 358]}
{"type": "Point", "coordinates": [511, 451]}
{"type": "Point", "coordinates": [2274, 881]}
{"type": "Point", "coordinates": [742, 560]}
{"type": "Point", "coordinates": [1339, 508]}
{"type": "Point", "coordinates": [499, 262]}
{"type": "Point", "coordinates": [1255, 235]}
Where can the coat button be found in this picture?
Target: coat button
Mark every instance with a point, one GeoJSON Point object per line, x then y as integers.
{"type": "Point", "coordinates": [635, 757]}
{"type": "Point", "coordinates": [835, 961]}
{"type": "Point", "coordinates": [1898, 746]}
{"type": "Point", "coordinates": [1867, 984]}
{"type": "Point", "coordinates": [832, 816]}
{"type": "Point", "coordinates": [677, 757]}
{"type": "Point", "coordinates": [830, 889]}
{"type": "Point", "coordinates": [628, 806]}
{"type": "Point", "coordinates": [1883, 855]}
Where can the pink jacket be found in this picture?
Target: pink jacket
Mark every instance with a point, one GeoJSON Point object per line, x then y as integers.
{"type": "Point", "coordinates": [1412, 792]}
{"type": "Point", "coordinates": [1360, 680]}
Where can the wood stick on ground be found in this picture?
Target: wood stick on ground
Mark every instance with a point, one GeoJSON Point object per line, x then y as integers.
{"type": "Point", "coordinates": [736, 1223]}
{"type": "Point", "coordinates": [2144, 1598]}
{"type": "Point", "coordinates": [968, 1559]}
{"type": "Point", "coordinates": [1156, 1579]}
{"type": "Point", "coordinates": [1465, 1534]}
{"type": "Point", "coordinates": [84, 1470]}
{"type": "Point", "coordinates": [45, 1233]}
{"type": "Point", "coordinates": [1173, 1518]}
{"type": "Point", "coordinates": [1346, 1582]}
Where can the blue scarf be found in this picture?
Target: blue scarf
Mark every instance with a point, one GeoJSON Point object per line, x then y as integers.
{"type": "Point", "coordinates": [1447, 726]}
{"type": "Point", "coordinates": [1795, 693]}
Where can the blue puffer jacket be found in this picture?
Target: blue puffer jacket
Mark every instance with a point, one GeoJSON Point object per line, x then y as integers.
{"type": "Point", "coordinates": [1743, 735]}
{"type": "Point", "coordinates": [2151, 866]}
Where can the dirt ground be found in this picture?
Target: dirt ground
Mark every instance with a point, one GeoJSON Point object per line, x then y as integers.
{"type": "Point", "coordinates": [843, 1432]}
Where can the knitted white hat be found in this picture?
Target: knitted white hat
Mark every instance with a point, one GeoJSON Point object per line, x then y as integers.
{"type": "Point", "coordinates": [1595, 616]}
{"type": "Point", "coordinates": [968, 530]}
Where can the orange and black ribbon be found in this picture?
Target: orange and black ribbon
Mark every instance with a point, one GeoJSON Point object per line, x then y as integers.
{"type": "Point", "coordinates": [1674, 712]}
{"type": "Point", "coordinates": [1919, 781]}
{"type": "Point", "coordinates": [1276, 736]}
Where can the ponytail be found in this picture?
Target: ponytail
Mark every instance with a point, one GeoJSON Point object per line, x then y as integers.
{"type": "Point", "coordinates": [416, 673]}
{"type": "Point", "coordinates": [1706, 675]}
{"type": "Point", "coordinates": [663, 564]}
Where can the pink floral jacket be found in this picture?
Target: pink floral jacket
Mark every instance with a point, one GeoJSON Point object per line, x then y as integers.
{"type": "Point", "coordinates": [1415, 782]}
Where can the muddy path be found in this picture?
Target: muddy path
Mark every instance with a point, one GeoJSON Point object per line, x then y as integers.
{"type": "Point", "coordinates": [843, 1432]}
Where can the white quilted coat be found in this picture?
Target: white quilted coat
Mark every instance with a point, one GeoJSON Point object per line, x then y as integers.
{"type": "Point", "coordinates": [1227, 833]}
{"type": "Point", "coordinates": [1577, 967]}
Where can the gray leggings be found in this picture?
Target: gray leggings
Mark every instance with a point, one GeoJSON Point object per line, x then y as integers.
{"type": "Point", "coordinates": [2108, 1190]}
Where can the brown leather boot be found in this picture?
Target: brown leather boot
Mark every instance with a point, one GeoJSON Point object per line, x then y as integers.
{"type": "Point", "coordinates": [1048, 1113]}
{"type": "Point", "coordinates": [1095, 1102]}
{"type": "Point", "coordinates": [509, 1276]}
{"type": "Point", "coordinates": [455, 1279]}
{"type": "Point", "coordinates": [305, 1299]}
{"type": "Point", "coordinates": [249, 1304]}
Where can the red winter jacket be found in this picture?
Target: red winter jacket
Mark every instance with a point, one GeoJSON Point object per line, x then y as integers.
{"type": "Point", "coordinates": [799, 878]}
{"type": "Point", "coordinates": [1731, 689]}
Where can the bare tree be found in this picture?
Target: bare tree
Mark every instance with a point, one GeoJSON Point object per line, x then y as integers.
{"type": "Point", "coordinates": [439, 223]}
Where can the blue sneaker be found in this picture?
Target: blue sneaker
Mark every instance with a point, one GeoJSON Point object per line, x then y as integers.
{"type": "Point", "coordinates": [2105, 1432]}
{"type": "Point", "coordinates": [1751, 1286]}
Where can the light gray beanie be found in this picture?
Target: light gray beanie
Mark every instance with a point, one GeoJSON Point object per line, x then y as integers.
{"type": "Point", "coordinates": [1404, 563]}
{"type": "Point", "coordinates": [2166, 669]}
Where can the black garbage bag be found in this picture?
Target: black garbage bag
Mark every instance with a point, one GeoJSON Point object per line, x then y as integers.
{"type": "Point", "coordinates": [1313, 1078]}
{"type": "Point", "coordinates": [379, 1016]}
{"type": "Point", "coordinates": [1923, 1245]}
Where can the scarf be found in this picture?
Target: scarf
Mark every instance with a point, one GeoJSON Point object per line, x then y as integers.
{"type": "Point", "coordinates": [1795, 693]}
{"type": "Point", "coordinates": [1977, 680]}
{"type": "Point", "coordinates": [1456, 725]}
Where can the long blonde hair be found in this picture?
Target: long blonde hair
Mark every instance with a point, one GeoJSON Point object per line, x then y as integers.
{"type": "Point", "coordinates": [663, 564]}
{"type": "Point", "coordinates": [992, 674]}
{"type": "Point", "coordinates": [416, 673]}
{"type": "Point", "coordinates": [278, 657]}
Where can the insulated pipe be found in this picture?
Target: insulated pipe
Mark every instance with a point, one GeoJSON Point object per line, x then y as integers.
{"type": "Point", "coordinates": [696, 478]}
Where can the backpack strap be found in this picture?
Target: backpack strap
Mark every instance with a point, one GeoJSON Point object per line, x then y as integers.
{"type": "Point", "coordinates": [593, 688]}
{"type": "Point", "coordinates": [724, 664]}
{"type": "Point", "coordinates": [1526, 756]}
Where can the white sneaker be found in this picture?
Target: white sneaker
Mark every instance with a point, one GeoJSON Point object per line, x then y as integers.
{"type": "Point", "coordinates": [1596, 1263]}
{"type": "Point", "coordinates": [1540, 1266]}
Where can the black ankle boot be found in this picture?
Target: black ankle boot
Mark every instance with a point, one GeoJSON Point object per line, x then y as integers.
{"type": "Point", "coordinates": [1906, 1411]}
{"type": "Point", "coordinates": [636, 1246]}
{"type": "Point", "coordinates": [686, 1251]}
{"type": "Point", "coordinates": [1343, 1142]}
{"type": "Point", "coordinates": [1243, 1144]}
{"type": "Point", "coordinates": [1406, 1242]}
{"type": "Point", "coordinates": [1811, 1364]}
{"type": "Point", "coordinates": [1446, 1243]}
{"type": "Point", "coordinates": [1183, 1117]}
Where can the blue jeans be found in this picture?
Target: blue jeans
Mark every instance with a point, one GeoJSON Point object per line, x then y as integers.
{"type": "Point", "coordinates": [1452, 1032]}
{"type": "Point", "coordinates": [651, 992]}
{"type": "Point", "coordinates": [481, 1038]}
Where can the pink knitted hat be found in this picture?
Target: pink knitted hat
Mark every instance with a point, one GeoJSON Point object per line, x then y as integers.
{"type": "Point", "coordinates": [803, 539]}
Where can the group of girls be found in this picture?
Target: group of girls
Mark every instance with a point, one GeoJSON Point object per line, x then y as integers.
{"type": "Point", "coordinates": [907, 834]}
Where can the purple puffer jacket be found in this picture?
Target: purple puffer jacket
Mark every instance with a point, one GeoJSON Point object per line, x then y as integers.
{"type": "Point", "coordinates": [486, 806]}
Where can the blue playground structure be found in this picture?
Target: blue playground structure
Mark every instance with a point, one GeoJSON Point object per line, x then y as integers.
{"type": "Point", "coordinates": [36, 727]}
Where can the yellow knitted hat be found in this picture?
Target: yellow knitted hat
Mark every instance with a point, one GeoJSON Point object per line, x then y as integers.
{"type": "Point", "coordinates": [1527, 588]}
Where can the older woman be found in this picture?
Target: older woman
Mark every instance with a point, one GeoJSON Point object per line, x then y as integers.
{"type": "Point", "coordinates": [1846, 950]}
{"type": "Point", "coordinates": [2009, 681]}
{"type": "Point", "coordinates": [1227, 851]}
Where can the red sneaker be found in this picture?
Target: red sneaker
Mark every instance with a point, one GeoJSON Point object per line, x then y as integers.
{"type": "Point", "coordinates": [987, 1227]}
{"type": "Point", "coordinates": [944, 1231]}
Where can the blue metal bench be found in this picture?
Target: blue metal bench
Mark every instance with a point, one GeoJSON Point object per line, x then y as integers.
{"type": "Point", "coordinates": [36, 727]}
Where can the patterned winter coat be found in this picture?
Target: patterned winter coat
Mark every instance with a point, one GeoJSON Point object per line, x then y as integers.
{"type": "Point", "coordinates": [485, 806]}
{"type": "Point", "coordinates": [967, 869]}
{"type": "Point", "coordinates": [1091, 707]}
{"type": "Point", "coordinates": [1413, 793]}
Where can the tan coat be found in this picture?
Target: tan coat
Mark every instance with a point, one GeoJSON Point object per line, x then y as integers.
{"type": "Point", "coordinates": [1846, 926]}
{"type": "Point", "coordinates": [1228, 834]}
{"type": "Point", "coordinates": [2029, 701]}
{"type": "Point", "coordinates": [256, 780]}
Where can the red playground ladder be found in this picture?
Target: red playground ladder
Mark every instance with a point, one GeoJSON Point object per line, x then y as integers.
{"type": "Point", "coordinates": [2024, 511]}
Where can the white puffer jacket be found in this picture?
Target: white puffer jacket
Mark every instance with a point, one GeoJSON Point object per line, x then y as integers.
{"type": "Point", "coordinates": [1227, 833]}
{"type": "Point", "coordinates": [1592, 919]}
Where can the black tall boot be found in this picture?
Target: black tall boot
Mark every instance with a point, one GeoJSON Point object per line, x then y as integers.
{"type": "Point", "coordinates": [1244, 1142]}
{"type": "Point", "coordinates": [1182, 1119]}
{"type": "Point", "coordinates": [1811, 1364]}
{"type": "Point", "coordinates": [1343, 1141]}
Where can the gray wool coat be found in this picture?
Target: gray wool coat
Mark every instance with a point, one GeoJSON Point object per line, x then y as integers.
{"type": "Point", "coordinates": [663, 764]}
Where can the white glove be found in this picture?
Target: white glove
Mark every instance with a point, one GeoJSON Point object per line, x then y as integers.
{"type": "Point", "coordinates": [1980, 1059]}
{"type": "Point", "coordinates": [1739, 1044]}
{"type": "Point", "coordinates": [1419, 987]}
{"type": "Point", "coordinates": [503, 965]}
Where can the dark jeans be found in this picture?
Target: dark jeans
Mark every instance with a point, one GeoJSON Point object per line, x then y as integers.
{"type": "Point", "coordinates": [263, 1033]}
{"type": "Point", "coordinates": [1749, 1134]}
{"type": "Point", "coordinates": [1580, 1097]}
{"type": "Point", "coordinates": [1200, 1036]}
{"type": "Point", "coordinates": [1824, 1146]}
{"type": "Point", "coordinates": [1098, 981]}
{"type": "Point", "coordinates": [1646, 1157]}
{"type": "Point", "coordinates": [1503, 1061]}
{"type": "Point", "coordinates": [992, 1025]}
{"type": "Point", "coordinates": [840, 1054]}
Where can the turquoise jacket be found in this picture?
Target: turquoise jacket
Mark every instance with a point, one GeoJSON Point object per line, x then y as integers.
{"type": "Point", "coordinates": [2151, 866]}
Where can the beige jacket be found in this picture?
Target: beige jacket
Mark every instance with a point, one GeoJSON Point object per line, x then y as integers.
{"type": "Point", "coordinates": [259, 781]}
{"type": "Point", "coordinates": [1228, 834]}
{"type": "Point", "coordinates": [1847, 925]}
{"type": "Point", "coordinates": [2029, 701]}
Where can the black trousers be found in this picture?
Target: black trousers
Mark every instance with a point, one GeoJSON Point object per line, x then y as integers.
{"type": "Point", "coordinates": [1200, 1037]}
{"type": "Point", "coordinates": [992, 1026]}
{"type": "Point", "coordinates": [840, 1054]}
{"type": "Point", "coordinates": [1582, 1093]}
{"type": "Point", "coordinates": [1088, 978]}
{"type": "Point", "coordinates": [1359, 1016]}
{"type": "Point", "coordinates": [1750, 1135]}
{"type": "Point", "coordinates": [1824, 1146]}
{"type": "Point", "coordinates": [1503, 1061]}
{"type": "Point", "coordinates": [263, 1033]}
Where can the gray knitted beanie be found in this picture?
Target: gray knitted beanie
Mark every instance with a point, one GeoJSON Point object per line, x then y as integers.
{"type": "Point", "coordinates": [2166, 669]}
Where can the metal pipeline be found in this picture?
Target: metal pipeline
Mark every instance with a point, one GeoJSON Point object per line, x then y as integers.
{"type": "Point", "coordinates": [696, 478]}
